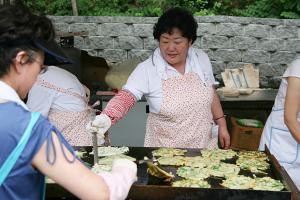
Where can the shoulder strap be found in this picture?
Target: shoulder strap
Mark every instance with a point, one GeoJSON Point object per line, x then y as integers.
{"type": "Point", "coordinates": [48, 85]}
{"type": "Point", "coordinates": [15, 154]}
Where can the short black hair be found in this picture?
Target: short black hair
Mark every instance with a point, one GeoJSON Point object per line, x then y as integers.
{"type": "Point", "coordinates": [18, 27]}
{"type": "Point", "coordinates": [176, 18]}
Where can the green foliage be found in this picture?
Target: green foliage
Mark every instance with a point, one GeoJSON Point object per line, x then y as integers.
{"type": "Point", "coordinates": [149, 8]}
{"type": "Point", "coordinates": [260, 8]}
{"type": "Point", "coordinates": [213, 11]}
{"type": "Point", "coordinates": [50, 7]}
{"type": "Point", "coordinates": [270, 8]}
{"type": "Point", "coordinates": [290, 15]}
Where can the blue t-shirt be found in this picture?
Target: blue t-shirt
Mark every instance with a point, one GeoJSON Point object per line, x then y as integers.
{"type": "Point", "coordinates": [24, 182]}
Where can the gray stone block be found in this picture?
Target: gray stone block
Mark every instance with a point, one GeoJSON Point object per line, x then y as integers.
{"type": "Point", "coordinates": [62, 19]}
{"type": "Point", "coordinates": [270, 44]}
{"type": "Point", "coordinates": [258, 31]}
{"type": "Point", "coordinates": [99, 42]}
{"type": "Point", "coordinates": [140, 54]}
{"type": "Point", "coordinates": [128, 42]}
{"type": "Point", "coordinates": [143, 30]}
{"type": "Point", "coordinates": [284, 32]}
{"type": "Point", "coordinates": [240, 20]}
{"type": "Point", "coordinates": [218, 67]}
{"type": "Point", "coordinates": [150, 43]}
{"type": "Point", "coordinates": [230, 29]}
{"type": "Point", "coordinates": [197, 43]}
{"type": "Point", "coordinates": [134, 20]}
{"type": "Point", "coordinates": [79, 42]}
{"type": "Point", "coordinates": [212, 19]}
{"type": "Point", "coordinates": [292, 45]}
{"type": "Point", "coordinates": [215, 42]}
{"type": "Point", "coordinates": [255, 56]}
{"type": "Point", "coordinates": [206, 29]}
{"type": "Point", "coordinates": [264, 82]}
{"type": "Point", "coordinates": [271, 69]}
{"type": "Point", "coordinates": [243, 43]}
{"type": "Point", "coordinates": [268, 21]}
{"type": "Point", "coordinates": [291, 22]}
{"type": "Point", "coordinates": [115, 29]}
{"type": "Point", "coordinates": [90, 28]}
{"type": "Point", "coordinates": [227, 55]}
{"type": "Point", "coordinates": [282, 57]}
{"type": "Point", "coordinates": [231, 65]}
{"type": "Point", "coordinates": [61, 27]}
{"type": "Point", "coordinates": [270, 81]}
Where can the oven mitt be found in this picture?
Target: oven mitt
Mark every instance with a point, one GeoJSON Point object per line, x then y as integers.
{"type": "Point", "coordinates": [120, 179]}
{"type": "Point", "coordinates": [99, 125]}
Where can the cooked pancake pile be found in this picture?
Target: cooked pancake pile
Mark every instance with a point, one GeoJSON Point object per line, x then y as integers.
{"type": "Point", "coordinates": [109, 154]}
{"type": "Point", "coordinates": [214, 163]}
{"type": "Point", "coordinates": [110, 151]}
{"type": "Point", "coordinates": [168, 152]}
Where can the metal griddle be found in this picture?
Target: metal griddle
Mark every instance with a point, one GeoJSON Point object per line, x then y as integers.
{"type": "Point", "coordinates": [149, 187]}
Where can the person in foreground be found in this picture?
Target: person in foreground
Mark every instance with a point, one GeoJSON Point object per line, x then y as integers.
{"type": "Point", "coordinates": [59, 95]}
{"type": "Point", "coordinates": [31, 147]}
{"type": "Point", "coordinates": [281, 132]}
{"type": "Point", "coordinates": [177, 81]}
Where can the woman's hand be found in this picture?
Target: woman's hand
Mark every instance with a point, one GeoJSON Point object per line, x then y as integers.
{"type": "Point", "coordinates": [99, 125]}
{"type": "Point", "coordinates": [224, 137]}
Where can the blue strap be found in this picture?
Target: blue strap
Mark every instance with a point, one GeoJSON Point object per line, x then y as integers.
{"type": "Point", "coordinates": [44, 188]}
{"type": "Point", "coordinates": [15, 154]}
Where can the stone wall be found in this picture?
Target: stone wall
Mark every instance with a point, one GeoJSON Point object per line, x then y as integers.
{"type": "Point", "coordinates": [269, 44]}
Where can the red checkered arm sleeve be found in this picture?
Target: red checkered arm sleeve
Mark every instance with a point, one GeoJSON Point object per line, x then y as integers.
{"type": "Point", "coordinates": [119, 105]}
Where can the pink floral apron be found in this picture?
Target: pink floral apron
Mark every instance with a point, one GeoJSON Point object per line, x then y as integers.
{"type": "Point", "coordinates": [185, 118]}
{"type": "Point", "coordinates": [71, 123]}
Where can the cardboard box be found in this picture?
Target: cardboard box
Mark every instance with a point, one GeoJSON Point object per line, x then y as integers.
{"type": "Point", "coordinates": [244, 137]}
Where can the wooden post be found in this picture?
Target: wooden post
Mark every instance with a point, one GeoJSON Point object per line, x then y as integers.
{"type": "Point", "coordinates": [74, 8]}
{"type": "Point", "coordinates": [6, 2]}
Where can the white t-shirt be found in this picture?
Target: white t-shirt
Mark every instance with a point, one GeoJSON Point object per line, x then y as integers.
{"type": "Point", "coordinates": [147, 78]}
{"type": "Point", "coordinates": [41, 99]}
{"type": "Point", "coordinates": [292, 70]}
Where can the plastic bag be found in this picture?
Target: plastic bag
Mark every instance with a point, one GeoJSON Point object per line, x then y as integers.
{"type": "Point", "coordinates": [250, 122]}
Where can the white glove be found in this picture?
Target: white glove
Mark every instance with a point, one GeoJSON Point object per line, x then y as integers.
{"type": "Point", "coordinates": [120, 179]}
{"type": "Point", "coordinates": [99, 125]}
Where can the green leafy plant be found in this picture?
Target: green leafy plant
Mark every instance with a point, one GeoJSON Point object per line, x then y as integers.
{"type": "Point", "coordinates": [151, 8]}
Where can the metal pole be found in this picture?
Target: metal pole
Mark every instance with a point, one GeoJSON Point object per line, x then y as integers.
{"type": "Point", "coordinates": [95, 148]}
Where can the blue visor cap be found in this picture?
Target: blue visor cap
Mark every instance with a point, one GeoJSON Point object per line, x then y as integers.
{"type": "Point", "coordinates": [54, 54]}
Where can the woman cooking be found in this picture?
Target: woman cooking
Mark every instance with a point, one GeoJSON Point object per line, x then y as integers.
{"type": "Point", "coordinates": [59, 96]}
{"type": "Point", "coordinates": [177, 81]}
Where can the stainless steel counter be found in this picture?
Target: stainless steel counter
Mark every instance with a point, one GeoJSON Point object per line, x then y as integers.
{"type": "Point", "coordinates": [257, 95]}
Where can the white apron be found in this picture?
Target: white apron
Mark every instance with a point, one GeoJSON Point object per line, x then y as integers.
{"type": "Point", "coordinates": [185, 117]}
{"type": "Point", "coordinates": [71, 124]}
{"type": "Point", "coordinates": [282, 144]}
